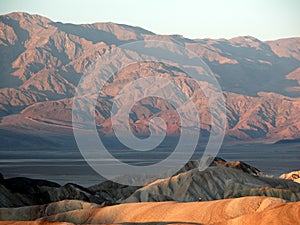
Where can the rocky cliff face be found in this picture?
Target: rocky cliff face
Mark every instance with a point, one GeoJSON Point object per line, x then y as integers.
{"type": "Point", "coordinates": [42, 61]}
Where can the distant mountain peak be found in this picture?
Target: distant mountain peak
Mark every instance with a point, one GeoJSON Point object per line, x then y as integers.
{"type": "Point", "coordinates": [247, 38]}
{"type": "Point", "coordinates": [26, 16]}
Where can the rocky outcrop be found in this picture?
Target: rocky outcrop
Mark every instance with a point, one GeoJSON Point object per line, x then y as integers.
{"type": "Point", "coordinates": [193, 164]}
{"type": "Point", "coordinates": [294, 176]}
{"type": "Point", "coordinates": [221, 180]}
{"type": "Point", "coordinates": [112, 192]}
{"type": "Point", "coordinates": [21, 191]}
{"type": "Point", "coordinates": [216, 182]}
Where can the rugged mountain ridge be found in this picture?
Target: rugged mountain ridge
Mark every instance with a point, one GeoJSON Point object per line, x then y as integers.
{"type": "Point", "coordinates": [221, 180]}
{"type": "Point", "coordinates": [42, 62]}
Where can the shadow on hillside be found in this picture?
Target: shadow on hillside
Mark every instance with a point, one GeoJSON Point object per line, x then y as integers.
{"type": "Point", "coordinates": [9, 53]}
{"type": "Point", "coordinates": [90, 34]}
{"type": "Point", "coordinates": [256, 71]}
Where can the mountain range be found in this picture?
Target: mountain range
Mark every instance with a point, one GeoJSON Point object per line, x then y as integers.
{"type": "Point", "coordinates": [42, 62]}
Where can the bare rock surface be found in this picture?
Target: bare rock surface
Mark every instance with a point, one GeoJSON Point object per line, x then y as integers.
{"type": "Point", "coordinates": [22, 191]}
{"type": "Point", "coordinates": [216, 182]}
{"type": "Point", "coordinates": [221, 180]}
{"type": "Point", "coordinates": [294, 176]}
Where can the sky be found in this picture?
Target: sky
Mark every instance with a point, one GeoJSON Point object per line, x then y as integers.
{"type": "Point", "coordinates": [263, 19]}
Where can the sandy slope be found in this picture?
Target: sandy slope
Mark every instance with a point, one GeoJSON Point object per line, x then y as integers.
{"type": "Point", "coordinates": [247, 210]}
{"type": "Point", "coordinates": [33, 223]}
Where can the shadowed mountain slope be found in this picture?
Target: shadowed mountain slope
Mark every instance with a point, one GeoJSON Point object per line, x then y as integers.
{"type": "Point", "coordinates": [221, 180]}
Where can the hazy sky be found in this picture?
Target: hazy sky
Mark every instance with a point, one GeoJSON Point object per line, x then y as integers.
{"type": "Point", "coordinates": [264, 19]}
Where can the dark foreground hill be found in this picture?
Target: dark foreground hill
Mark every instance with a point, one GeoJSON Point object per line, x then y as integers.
{"type": "Point", "coordinates": [220, 181]}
